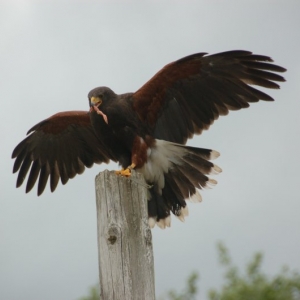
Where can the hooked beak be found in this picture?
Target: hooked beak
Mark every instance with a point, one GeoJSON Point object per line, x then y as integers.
{"type": "Point", "coordinates": [96, 101]}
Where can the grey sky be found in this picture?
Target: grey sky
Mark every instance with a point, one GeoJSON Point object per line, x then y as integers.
{"type": "Point", "coordinates": [53, 53]}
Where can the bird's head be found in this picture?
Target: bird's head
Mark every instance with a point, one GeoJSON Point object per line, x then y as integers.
{"type": "Point", "coordinates": [100, 97]}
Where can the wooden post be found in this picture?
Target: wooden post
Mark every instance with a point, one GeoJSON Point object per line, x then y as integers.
{"type": "Point", "coordinates": [125, 252]}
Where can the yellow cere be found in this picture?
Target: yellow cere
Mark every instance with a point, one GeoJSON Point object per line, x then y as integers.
{"type": "Point", "coordinates": [96, 100]}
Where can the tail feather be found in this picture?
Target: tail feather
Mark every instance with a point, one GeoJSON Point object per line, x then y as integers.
{"type": "Point", "coordinates": [177, 177]}
{"type": "Point", "coordinates": [196, 198]}
{"type": "Point", "coordinates": [180, 171]}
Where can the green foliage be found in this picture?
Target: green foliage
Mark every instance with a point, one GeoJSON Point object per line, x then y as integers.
{"type": "Point", "coordinates": [94, 293]}
{"type": "Point", "coordinates": [190, 292]}
{"type": "Point", "coordinates": [254, 284]}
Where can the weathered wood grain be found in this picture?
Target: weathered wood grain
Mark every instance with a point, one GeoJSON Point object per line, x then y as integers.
{"type": "Point", "coordinates": [126, 265]}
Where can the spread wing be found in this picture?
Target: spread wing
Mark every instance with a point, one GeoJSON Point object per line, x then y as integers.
{"type": "Point", "coordinates": [59, 147]}
{"type": "Point", "coordinates": [186, 96]}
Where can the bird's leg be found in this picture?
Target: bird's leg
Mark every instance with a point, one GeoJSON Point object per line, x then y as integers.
{"type": "Point", "coordinates": [127, 171]}
{"type": "Point", "coordinates": [138, 156]}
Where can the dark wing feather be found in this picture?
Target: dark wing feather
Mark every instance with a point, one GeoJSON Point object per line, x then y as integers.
{"type": "Point", "coordinates": [186, 96]}
{"type": "Point", "coordinates": [59, 147]}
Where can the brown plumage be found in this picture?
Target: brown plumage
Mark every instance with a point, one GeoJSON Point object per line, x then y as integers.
{"type": "Point", "coordinates": [147, 130]}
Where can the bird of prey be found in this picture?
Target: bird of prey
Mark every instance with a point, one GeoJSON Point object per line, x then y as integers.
{"type": "Point", "coordinates": [147, 130]}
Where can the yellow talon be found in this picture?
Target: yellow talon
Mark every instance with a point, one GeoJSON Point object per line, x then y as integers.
{"type": "Point", "coordinates": [123, 172]}
{"type": "Point", "coordinates": [126, 172]}
{"type": "Point", "coordinates": [119, 172]}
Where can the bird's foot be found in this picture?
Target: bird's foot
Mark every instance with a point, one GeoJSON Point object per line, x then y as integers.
{"type": "Point", "coordinates": [126, 172]}
{"type": "Point", "coordinates": [119, 172]}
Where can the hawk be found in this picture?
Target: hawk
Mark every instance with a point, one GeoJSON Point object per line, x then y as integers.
{"type": "Point", "coordinates": [147, 130]}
